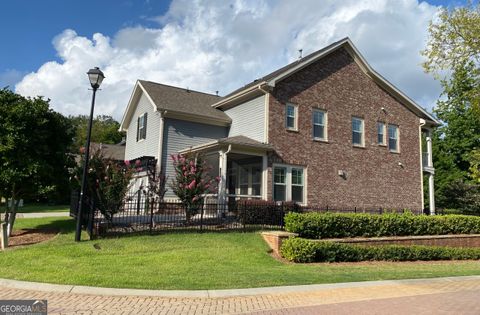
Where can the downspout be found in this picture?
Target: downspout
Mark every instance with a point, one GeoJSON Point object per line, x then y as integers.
{"type": "Point", "coordinates": [422, 123]}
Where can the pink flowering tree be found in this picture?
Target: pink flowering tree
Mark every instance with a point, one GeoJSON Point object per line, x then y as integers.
{"type": "Point", "coordinates": [192, 182]}
{"type": "Point", "coordinates": [108, 182]}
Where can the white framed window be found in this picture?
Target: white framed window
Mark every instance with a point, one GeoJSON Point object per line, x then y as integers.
{"type": "Point", "coordinates": [358, 132]}
{"type": "Point", "coordinates": [381, 133]}
{"type": "Point", "coordinates": [280, 183]}
{"type": "Point", "coordinates": [142, 127]}
{"type": "Point", "coordinates": [319, 119]}
{"type": "Point", "coordinates": [393, 138]}
{"type": "Point", "coordinates": [291, 113]}
{"type": "Point", "coordinates": [289, 183]}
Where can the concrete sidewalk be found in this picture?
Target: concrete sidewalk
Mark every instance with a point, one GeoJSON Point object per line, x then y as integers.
{"type": "Point", "coordinates": [333, 298]}
{"type": "Point", "coordinates": [39, 215]}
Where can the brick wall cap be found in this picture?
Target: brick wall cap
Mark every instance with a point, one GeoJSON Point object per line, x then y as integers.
{"type": "Point", "coordinates": [279, 234]}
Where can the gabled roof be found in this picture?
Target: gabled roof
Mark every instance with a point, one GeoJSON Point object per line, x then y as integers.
{"type": "Point", "coordinates": [240, 141]}
{"type": "Point", "coordinates": [176, 102]}
{"type": "Point", "coordinates": [269, 80]}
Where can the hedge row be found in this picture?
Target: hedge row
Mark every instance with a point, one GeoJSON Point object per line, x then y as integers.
{"type": "Point", "coordinates": [304, 251]}
{"type": "Point", "coordinates": [316, 225]}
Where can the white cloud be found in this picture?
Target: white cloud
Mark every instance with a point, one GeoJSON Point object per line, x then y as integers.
{"type": "Point", "coordinates": [211, 45]}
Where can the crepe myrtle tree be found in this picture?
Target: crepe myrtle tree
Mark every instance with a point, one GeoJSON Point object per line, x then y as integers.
{"type": "Point", "coordinates": [192, 182]}
{"type": "Point", "coordinates": [108, 182]}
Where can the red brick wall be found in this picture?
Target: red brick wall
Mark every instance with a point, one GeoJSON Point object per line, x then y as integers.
{"type": "Point", "coordinates": [374, 178]}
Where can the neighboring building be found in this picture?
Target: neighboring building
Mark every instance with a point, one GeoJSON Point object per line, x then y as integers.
{"type": "Point", "coordinates": [323, 130]}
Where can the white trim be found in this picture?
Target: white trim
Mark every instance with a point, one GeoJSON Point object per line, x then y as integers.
{"type": "Point", "coordinates": [362, 145]}
{"type": "Point", "coordinates": [288, 181]}
{"type": "Point", "coordinates": [295, 117]}
{"type": "Point", "coordinates": [265, 177]}
{"type": "Point", "coordinates": [267, 119]}
{"type": "Point", "coordinates": [160, 143]}
{"type": "Point", "coordinates": [133, 103]}
{"type": "Point", "coordinates": [325, 124]}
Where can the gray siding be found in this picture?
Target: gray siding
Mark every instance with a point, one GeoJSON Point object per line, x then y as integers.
{"type": "Point", "coordinates": [148, 146]}
{"type": "Point", "coordinates": [248, 119]}
{"type": "Point", "coordinates": [179, 135]}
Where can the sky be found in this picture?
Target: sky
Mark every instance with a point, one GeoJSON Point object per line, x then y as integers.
{"type": "Point", "coordinates": [207, 45]}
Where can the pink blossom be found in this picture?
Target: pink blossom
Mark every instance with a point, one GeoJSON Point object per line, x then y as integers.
{"type": "Point", "coordinates": [138, 162]}
{"type": "Point", "coordinates": [195, 198]}
{"type": "Point", "coordinates": [217, 178]}
{"type": "Point", "coordinates": [127, 162]}
{"type": "Point", "coordinates": [191, 163]}
{"type": "Point", "coordinates": [192, 184]}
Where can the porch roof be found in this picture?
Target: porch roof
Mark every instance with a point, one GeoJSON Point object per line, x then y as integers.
{"type": "Point", "coordinates": [236, 141]}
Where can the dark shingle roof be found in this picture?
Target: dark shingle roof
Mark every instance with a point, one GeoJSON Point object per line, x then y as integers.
{"type": "Point", "coordinates": [244, 141]}
{"type": "Point", "coordinates": [180, 100]}
{"type": "Point", "coordinates": [284, 69]}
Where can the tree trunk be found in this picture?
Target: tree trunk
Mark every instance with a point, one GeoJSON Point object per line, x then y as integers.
{"type": "Point", "coordinates": [12, 216]}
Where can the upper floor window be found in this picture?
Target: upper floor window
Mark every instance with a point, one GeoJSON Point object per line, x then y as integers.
{"type": "Point", "coordinates": [381, 133]}
{"type": "Point", "coordinates": [319, 124]}
{"type": "Point", "coordinates": [291, 117]}
{"type": "Point", "coordinates": [393, 138]}
{"type": "Point", "coordinates": [357, 131]}
{"type": "Point", "coordinates": [142, 127]}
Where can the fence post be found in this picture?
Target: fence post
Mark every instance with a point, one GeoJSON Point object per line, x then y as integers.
{"type": "Point", "coordinates": [327, 209]}
{"type": "Point", "coordinates": [201, 216]}
{"type": "Point", "coordinates": [282, 216]}
{"type": "Point", "coordinates": [355, 210]}
{"type": "Point", "coordinates": [380, 210]}
{"type": "Point", "coordinates": [151, 214]}
{"type": "Point", "coordinates": [139, 196]}
{"type": "Point", "coordinates": [244, 216]}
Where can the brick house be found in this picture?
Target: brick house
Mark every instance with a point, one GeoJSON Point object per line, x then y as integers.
{"type": "Point", "coordinates": [325, 130]}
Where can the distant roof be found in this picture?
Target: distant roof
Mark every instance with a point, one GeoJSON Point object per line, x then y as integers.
{"type": "Point", "coordinates": [113, 151]}
{"type": "Point", "coordinates": [171, 98]}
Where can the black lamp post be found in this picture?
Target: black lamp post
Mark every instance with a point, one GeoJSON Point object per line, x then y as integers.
{"type": "Point", "coordinates": [96, 77]}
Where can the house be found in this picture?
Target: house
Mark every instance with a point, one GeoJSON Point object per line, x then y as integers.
{"type": "Point", "coordinates": [324, 130]}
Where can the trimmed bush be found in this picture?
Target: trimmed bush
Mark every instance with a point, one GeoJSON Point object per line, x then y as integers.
{"type": "Point", "coordinates": [305, 251]}
{"type": "Point", "coordinates": [316, 225]}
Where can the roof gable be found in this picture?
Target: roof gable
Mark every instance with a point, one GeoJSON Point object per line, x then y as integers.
{"type": "Point", "coordinates": [269, 81]}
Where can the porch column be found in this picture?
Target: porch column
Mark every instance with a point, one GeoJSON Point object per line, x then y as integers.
{"type": "Point", "coordinates": [431, 172]}
{"type": "Point", "coordinates": [222, 172]}
{"type": "Point", "coordinates": [431, 193]}
{"type": "Point", "coordinates": [429, 150]}
{"type": "Point", "coordinates": [264, 177]}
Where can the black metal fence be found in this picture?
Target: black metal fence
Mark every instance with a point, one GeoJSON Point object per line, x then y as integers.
{"type": "Point", "coordinates": [141, 215]}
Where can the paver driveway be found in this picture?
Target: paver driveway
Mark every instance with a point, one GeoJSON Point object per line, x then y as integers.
{"type": "Point", "coordinates": [459, 295]}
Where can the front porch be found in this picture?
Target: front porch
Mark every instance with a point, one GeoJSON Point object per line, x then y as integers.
{"type": "Point", "coordinates": [241, 165]}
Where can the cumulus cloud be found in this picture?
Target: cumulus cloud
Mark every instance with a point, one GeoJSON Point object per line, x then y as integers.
{"type": "Point", "coordinates": [209, 45]}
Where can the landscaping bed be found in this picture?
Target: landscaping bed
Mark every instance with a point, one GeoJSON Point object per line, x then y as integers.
{"type": "Point", "coordinates": [31, 236]}
{"type": "Point", "coordinates": [364, 237]}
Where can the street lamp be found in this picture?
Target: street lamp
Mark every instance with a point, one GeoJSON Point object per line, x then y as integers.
{"type": "Point", "coordinates": [96, 77]}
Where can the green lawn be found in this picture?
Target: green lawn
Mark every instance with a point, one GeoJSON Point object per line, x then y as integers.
{"type": "Point", "coordinates": [188, 261]}
{"type": "Point", "coordinates": [35, 207]}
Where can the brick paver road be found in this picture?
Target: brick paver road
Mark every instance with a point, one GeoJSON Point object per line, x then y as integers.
{"type": "Point", "coordinates": [436, 296]}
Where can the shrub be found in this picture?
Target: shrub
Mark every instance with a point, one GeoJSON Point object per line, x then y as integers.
{"type": "Point", "coordinates": [303, 250]}
{"type": "Point", "coordinates": [316, 225]}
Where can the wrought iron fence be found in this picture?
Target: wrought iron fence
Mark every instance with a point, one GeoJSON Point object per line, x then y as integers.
{"type": "Point", "coordinates": [141, 215]}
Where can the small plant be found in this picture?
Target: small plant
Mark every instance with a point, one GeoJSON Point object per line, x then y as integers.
{"type": "Point", "coordinates": [192, 182]}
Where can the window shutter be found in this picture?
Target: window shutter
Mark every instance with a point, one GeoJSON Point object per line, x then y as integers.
{"type": "Point", "coordinates": [145, 126]}
{"type": "Point", "coordinates": [138, 127]}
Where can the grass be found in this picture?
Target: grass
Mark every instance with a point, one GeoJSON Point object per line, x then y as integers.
{"type": "Point", "coordinates": [188, 261]}
{"type": "Point", "coordinates": [29, 208]}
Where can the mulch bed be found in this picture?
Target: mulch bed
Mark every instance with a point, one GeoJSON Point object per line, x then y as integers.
{"type": "Point", "coordinates": [30, 236]}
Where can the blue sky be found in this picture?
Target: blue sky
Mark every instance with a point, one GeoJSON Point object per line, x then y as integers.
{"type": "Point", "coordinates": [36, 33]}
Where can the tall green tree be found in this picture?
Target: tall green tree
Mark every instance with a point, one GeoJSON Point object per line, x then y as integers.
{"type": "Point", "coordinates": [104, 130]}
{"type": "Point", "coordinates": [34, 142]}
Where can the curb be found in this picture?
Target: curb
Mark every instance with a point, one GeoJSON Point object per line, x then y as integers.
{"type": "Point", "coordinates": [60, 288]}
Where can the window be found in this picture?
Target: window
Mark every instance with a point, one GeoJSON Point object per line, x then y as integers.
{"type": "Point", "coordinates": [297, 185]}
{"type": "Point", "coordinates": [288, 183]}
{"type": "Point", "coordinates": [291, 117]}
{"type": "Point", "coordinates": [256, 180]}
{"type": "Point", "coordinates": [319, 123]}
{"type": "Point", "coordinates": [381, 133]}
{"type": "Point", "coordinates": [142, 127]}
{"type": "Point", "coordinates": [357, 131]}
{"type": "Point", "coordinates": [243, 180]}
{"type": "Point", "coordinates": [279, 184]}
{"type": "Point", "coordinates": [393, 138]}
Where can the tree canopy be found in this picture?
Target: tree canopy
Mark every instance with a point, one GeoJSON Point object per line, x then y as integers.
{"type": "Point", "coordinates": [34, 142]}
{"type": "Point", "coordinates": [104, 130]}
